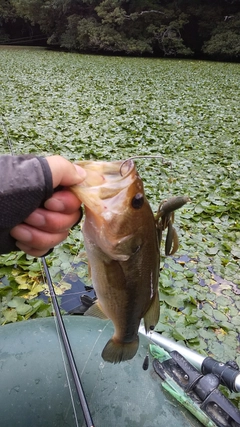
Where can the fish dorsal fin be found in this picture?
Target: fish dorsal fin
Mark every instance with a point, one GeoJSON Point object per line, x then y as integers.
{"type": "Point", "coordinates": [96, 311]}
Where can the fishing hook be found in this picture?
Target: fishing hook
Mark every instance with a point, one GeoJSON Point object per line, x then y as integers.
{"type": "Point", "coordinates": [62, 329]}
{"type": "Point", "coordinates": [164, 161]}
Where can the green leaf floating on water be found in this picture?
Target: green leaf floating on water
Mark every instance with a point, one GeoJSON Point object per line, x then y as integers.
{"type": "Point", "coordinates": [10, 316]}
{"type": "Point", "coordinates": [235, 251]}
{"type": "Point", "coordinates": [20, 306]}
{"type": "Point", "coordinates": [212, 251]}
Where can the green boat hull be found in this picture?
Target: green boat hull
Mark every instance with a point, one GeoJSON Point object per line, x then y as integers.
{"type": "Point", "coordinates": [34, 388]}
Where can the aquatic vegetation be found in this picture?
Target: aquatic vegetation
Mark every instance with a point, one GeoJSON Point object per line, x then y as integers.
{"type": "Point", "coordinates": [110, 108]}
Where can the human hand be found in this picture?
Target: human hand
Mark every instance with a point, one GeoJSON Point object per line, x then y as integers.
{"type": "Point", "coordinates": [46, 227]}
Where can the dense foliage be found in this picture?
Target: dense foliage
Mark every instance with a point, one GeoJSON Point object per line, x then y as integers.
{"type": "Point", "coordinates": [177, 28]}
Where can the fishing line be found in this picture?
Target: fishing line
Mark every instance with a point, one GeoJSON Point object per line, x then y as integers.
{"type": "Point", "coordinates": [164, 161]}
{"type": "Point", "coordinates": [61, 328]}
{"type": "Point", "coordinates": [23, 40]}
{"type": "Point", "coordinates": [71, 268]}
{"type": "Point", "coordinates": [65, 366]}
{"type": "Point", "coordinates": [68, 348]}
{"type": "Point", "coordinates": [10, 146]}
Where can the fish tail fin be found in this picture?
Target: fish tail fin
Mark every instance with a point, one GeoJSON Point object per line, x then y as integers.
{"type": "Point", "coordinates": [116, 352]}
{"type": "Point", "coordinates": [152, 315]}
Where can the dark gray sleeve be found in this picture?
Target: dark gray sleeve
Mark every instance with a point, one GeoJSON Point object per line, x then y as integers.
{"type": "Point", "coordinates": [25, 183]}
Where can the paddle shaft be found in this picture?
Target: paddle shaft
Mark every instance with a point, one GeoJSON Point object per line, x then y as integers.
{"type": "Point", "coordinates": [228, 375]}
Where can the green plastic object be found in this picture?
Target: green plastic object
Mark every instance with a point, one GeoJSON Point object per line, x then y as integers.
{"type": "Point", "coordinates": [34, 390]}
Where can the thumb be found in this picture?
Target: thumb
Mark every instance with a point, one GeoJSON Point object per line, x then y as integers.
{"type": "Point", "coordinates": [64, 172]}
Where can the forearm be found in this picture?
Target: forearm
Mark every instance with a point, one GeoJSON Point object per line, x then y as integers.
{"type": "Point", "coordinates": [25, 183]}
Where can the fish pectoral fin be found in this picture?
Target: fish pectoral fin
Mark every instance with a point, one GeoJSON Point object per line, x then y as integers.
{"type": "Point", "coordinates": [96, 311]}
{"type": "Point", "coordinates": [152, 315]}
{"type": "Point", "coordinates": [126, 247]}
{"type": "Point", "coordinates": [116, 352]}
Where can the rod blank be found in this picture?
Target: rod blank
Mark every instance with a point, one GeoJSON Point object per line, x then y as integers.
{"type": "Point", "coordinates": [67, 347]}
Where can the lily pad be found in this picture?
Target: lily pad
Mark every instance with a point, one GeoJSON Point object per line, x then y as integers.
{"type": "Point", "coordinates": [20, 305]}
{"type": "Point", "coordinates": [84, 107]}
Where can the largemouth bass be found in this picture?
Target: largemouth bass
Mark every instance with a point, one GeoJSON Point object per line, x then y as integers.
{"type": "Point", "coordinates": [122, 246]}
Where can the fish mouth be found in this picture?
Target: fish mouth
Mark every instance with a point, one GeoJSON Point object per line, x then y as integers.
{"type": "Point", "coordinates": [99, 173]}
{"type": "Point", "coordinates": [104, 180]}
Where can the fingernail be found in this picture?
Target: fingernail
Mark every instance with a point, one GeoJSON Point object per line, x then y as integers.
{"type": "Point", "coordinates": [53, 204]}
{"type": "Point", "coordinates": [21, 234]}
{"type": "Point", "coordinates": [36, 219]}
{"type": "Point", "coordinates": [81, 172]}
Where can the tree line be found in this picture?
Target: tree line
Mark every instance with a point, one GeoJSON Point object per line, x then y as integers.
{"type": "Point", "coordinates": [162, 28]}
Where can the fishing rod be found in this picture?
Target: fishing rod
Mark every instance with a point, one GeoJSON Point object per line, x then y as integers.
{"type": "Point", "coordinates": [228, 373]}
{"type": "Point", "coordinates": [61, 326]}
{"type": "Point", "coordinates": [68, 349]}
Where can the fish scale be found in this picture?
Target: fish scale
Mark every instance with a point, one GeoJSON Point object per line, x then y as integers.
{"type": "Point", "coordinates": [121, 238]}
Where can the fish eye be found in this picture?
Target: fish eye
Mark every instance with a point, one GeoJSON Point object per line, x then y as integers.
{"type": "Point", "coordinates": [137, 201]}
